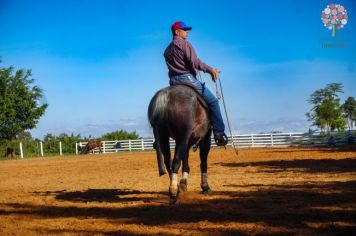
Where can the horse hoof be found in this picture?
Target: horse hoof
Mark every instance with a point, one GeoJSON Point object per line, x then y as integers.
{"type": "Point", "coordinates": [162, 173]}
{"type": "Point", "coordinates": [183, 185]}
{"type": "Point", "coordinates": [173, 198]}
{"type": "Point", "coordinates": [206, 190]}
{"type": "Point", "coordinates": [173, 191]}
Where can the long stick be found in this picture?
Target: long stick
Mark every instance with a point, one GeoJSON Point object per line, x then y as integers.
{"type": "Point", "coordinates": [227, 117]}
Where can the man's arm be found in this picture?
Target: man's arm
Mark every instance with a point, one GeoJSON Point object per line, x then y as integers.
{"type": "Point", "coordinates": [196, 63]}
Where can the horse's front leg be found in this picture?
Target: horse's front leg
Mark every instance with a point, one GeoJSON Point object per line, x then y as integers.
{"type": "Point", "coordinates": [204, 147]}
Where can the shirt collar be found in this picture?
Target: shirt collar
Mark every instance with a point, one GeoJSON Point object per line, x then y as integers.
{"type": "Point", "coordinates": [176, 37]}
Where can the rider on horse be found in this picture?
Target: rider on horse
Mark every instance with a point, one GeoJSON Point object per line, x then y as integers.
{"type": "Point", "coordinates": [182, 63]}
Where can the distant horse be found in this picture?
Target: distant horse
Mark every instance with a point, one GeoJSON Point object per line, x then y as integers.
{"type": "Point", "coordinates": [177, 112]}
{"type": "Point", "coordinates": [91, 145]}
{"type": "Point", "coordinates": [10, 152]}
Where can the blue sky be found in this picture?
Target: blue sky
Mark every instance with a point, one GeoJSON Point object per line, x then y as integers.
{"type": "Point", "coordinates": [100, 62]}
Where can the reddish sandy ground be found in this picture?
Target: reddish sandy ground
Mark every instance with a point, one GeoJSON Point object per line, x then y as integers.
{"type": "Point", "coordinates": [272, 191]}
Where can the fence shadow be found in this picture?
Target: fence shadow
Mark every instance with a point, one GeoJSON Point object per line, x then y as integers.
{"type": "Point", "coordinates": [304, 165]}
{"type": "Point", "coordinates": [313, 209]}
{"type": "Point", "coordinates": [316, 148]}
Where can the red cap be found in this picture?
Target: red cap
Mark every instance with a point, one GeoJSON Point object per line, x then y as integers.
{"type": "Point", "coordinates": [180, 25]}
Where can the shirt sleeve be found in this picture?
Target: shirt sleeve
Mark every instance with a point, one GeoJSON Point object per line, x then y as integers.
{"type": "Point", "coordinates": [193, 60]}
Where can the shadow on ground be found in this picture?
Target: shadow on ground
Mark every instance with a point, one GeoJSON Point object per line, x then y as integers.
{"type": "Point", "coordinates": [313, 148]}
{"type": "Point", "coordinates": [305, 165]}
{"type": "Point", "coordinates": [294, 208]}
{"type": "Point", "coordinates": [100, 195]}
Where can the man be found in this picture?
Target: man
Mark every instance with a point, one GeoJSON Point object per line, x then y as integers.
{"type": "Point", "coordinates": [183, 63]}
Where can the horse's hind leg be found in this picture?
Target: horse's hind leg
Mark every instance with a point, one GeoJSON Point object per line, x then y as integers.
{"type": "Point", "coordinates": [179, 155]}
{"type": "Point", "coordinates": [166, 150]}
{"type": "Point", "coordinates": [204, 147]}
{"type": "Point", "coordinates": [183, 184]}
{"type": "Point", "coordinates": [157, 145]}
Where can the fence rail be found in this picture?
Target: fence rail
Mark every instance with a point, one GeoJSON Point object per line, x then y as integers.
{"type": "Point", "coordinates": [241, 141]}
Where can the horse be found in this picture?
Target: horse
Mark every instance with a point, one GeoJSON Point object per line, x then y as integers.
{"type": "Point", "coordinates": [10, 152]}
{"type": "Point", "coordinates": [91, 145]}
{"type": "Point", "coordinates": [178, 112]}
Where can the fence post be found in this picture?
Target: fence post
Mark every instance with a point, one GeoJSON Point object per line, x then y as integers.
{"type": "Point", "coordinates": [104, 150]}
{"type": "Point", "coordinates": [130, 145]}
{"type": "Point", "coordinates": [252, 140]}
{"type": "Point", "coordinates": [272, 140]}
{"type": "Point", "coordinates": [41, 147]}
{"type": "Point", "coordinates": [76, 149]}
{"type": "Point", "coordinates": [21, 150]}
{"type": "Point", "coordinates": [142, 145]}
{"type": "Point", "coordinates": [60, 148]}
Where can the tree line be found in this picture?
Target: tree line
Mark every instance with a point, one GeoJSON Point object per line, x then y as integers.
{"type": "Point", "coordinates": [50, 142]}
{"type": "Point", "coordinates": [68, 141]}
{"type": "Point", "coordinates": [327, 113]}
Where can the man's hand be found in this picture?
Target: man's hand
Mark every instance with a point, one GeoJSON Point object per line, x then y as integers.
{"type": "Point", "coordinates": [214, 74]}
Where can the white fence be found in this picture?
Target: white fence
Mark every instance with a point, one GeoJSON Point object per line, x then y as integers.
{"type": "Point", "coordinates": [248, 140]}
{"type": "Point", "coordinates": [241, 141]}
{"type": "Point", "coordinates": [39, 151]}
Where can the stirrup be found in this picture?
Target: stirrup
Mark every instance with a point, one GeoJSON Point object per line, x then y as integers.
{"type": "Point", "coordinates": [221, 139]}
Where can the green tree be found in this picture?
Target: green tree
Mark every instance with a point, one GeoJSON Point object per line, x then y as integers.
{"type": "Point", "coordinates": [51, 142]}
{"type": "Point", "coordinates": [24, 136]}
{"type": "Point", "coordinates": [120, 135]}
{"type": "Point", "coordinates": [326, 112]}
{"type": "Point", "coordinates": [349, 108]}
{"type": "Point", "coordinates": [68, 142]}
{"type": "Point", "coordinates": [19, 102]}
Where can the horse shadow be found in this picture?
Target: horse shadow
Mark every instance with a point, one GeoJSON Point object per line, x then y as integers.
{"type": "Point", "coordinates": [102, 195]}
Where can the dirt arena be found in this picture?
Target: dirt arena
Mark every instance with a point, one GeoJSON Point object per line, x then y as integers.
{"type": "Point", "coordinates": [269, 191]}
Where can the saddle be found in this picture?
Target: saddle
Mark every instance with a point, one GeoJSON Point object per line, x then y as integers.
{"type": "Point", "coordinates": [199, 96]}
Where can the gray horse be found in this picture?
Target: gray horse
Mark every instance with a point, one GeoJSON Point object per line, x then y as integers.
{"type": "Point", "coordinates": [177, 112]}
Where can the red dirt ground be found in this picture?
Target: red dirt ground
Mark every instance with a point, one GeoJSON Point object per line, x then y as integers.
{"type": "Point", "coordinates": [270, 191]}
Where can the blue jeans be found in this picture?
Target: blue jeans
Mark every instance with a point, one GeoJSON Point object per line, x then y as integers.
{"type": "Point", "coordinates": [211, 100]}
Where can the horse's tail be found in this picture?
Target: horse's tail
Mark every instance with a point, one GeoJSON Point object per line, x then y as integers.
{"type": "Point", "coordinates": [157, 108]}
